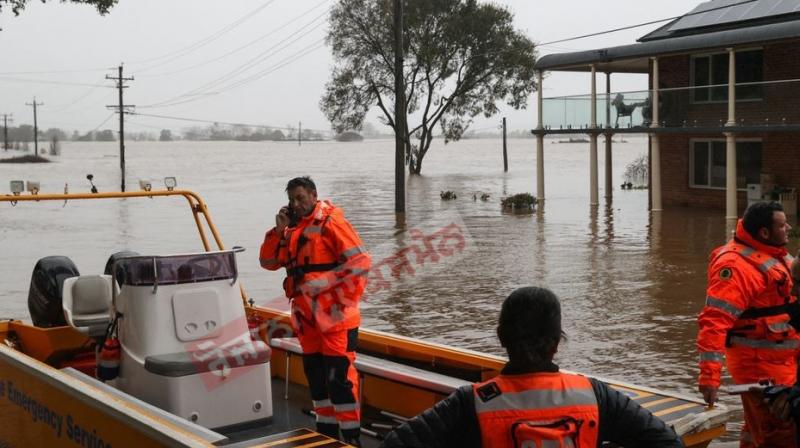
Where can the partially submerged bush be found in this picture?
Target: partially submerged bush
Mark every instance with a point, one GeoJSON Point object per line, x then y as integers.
{"type": "Point", "coordinates": [447, 195]}
{"type": "Point", "coordinates": [522, 202]}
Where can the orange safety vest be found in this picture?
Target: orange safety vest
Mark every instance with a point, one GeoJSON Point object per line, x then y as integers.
{"type": "Point", "coordinates": [325, 273]}
{"type": "Point", "coordinates": [537, 410]}
{"type": "Point", "coordinates": [754, 335]}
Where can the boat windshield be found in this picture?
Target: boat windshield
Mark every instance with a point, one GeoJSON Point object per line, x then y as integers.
{"type": "Point", "coordinates": [176, 269]}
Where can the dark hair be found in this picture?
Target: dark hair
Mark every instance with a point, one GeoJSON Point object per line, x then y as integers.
{"type": "Point", "coordinates": [530, 325]}
{"type": "Point", "coordinates": [304, 181]}
{"type": "Point", "coordinates": [760, 214]}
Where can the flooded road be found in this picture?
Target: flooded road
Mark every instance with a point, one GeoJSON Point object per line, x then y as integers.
{"type": "Point", "coordinates": [631, 284]}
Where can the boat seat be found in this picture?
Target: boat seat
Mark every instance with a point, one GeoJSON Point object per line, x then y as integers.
{"type": "Point", "coordinates": [192, 362]}
{"type": "Point", "coordinates": [87, 303]}
{"type": "Point", "coordinates": [390, 370]}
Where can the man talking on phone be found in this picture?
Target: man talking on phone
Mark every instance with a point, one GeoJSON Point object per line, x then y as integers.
{"type": "Point", "coordinates": [326, 272]}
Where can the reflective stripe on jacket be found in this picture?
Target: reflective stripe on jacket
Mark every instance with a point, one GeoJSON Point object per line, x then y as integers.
{"type": "Point", "coordinates": [541, 402]}
{"type": "Point", "coordinates": [742, 320]}
{"type": "Point", "coordinates": [326, 266]}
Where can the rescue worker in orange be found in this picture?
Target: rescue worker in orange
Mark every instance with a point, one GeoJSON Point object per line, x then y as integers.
{"type": "Point", "coordinates": [747, 320]}
{"type": "Point", "coordinates": [326, 272]}
{"type": "Point", "coordinates": [531, 403]}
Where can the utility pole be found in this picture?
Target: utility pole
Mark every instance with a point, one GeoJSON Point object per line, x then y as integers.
{"type": "Point", "coordinates": [35, 126]}
{"type": "Point", "coordinates": [5, 130]}
{"type": "Point", "coordinates": [399, 118]}
{"type": "Point", "coordinates": [505, 153]}
{"type": "Point", "coordinates": [121, 110]}
{"type": "Point", "coordinates": [299, 132]}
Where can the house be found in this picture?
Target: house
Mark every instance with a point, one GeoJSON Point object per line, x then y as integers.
{"type": "Point", "coordinates": [722, 110]}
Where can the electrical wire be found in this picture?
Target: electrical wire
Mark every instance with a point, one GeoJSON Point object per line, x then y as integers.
{"type": "Point", "coordinates": [76, 100]}
{"type": "Point", "coordinates": [205, 41]}
{"type": "Point", "coordinates": [261, 57]}
{"type": "Point", "coordinates": [103, 122]}
{"type": "Point", "coordinates": [238, 49]}
{"type": "Point", "coordinates": [42, 81]}
{"type": "Point", "coordinates": [652, 22]}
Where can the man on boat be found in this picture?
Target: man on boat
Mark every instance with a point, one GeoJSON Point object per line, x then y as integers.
{"type": "Point", "coordinates": [748, 320]}
{"type": "Point", "coordinates": [531, 403]}
{"type": "Point", "coordinates": [326, 272]}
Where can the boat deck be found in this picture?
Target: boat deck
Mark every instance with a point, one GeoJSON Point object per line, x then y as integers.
{"type": "Point", "coordinates": [290, 414]}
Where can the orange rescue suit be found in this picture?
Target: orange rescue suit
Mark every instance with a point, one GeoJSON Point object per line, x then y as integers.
{"type": "Point", "coordinates": [537, 409]}
{"type": "Point", "coordinates": [326, 266]}
{"type": "Point", "coordinates": [744, 321]}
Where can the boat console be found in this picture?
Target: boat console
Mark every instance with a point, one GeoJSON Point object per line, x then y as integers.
{"type": "Point", "coordinates": [185, 344]}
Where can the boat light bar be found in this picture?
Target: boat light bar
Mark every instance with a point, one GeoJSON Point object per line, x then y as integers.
{"type": "Point", "coordinates": [33, 187]}
{"type": "Point", "coordinates": [17, 187]}
{"type": "Point", "coordinates": [170, 182]}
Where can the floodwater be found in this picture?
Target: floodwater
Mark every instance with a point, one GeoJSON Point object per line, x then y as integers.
{"type": "Point", "coordinates": [631, 284]}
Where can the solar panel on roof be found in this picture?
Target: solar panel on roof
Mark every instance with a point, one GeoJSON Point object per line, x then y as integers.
{"type": "Point", "coordinates": [735, 13]}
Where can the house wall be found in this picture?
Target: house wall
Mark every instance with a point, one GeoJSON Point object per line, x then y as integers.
{"type": "Point", "coordinates": [780, 150]}
{"type": "Point", "coordinates": [780, 156]}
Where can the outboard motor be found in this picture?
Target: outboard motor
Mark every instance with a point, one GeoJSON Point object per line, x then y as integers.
{"type": "Point", "coordinates": [45, 293]}
{"type": "Point", "coordinates": [113, 258]}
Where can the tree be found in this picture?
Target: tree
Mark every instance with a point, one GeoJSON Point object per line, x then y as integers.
{"type": "Point", "coordinates": [461, 58]}
{"type": "Point", "coordinates": [106, 135]}
{"type": "Point", "coordinates": [166, 135]}
{"type": "Point", "coordinates": [103, 6]}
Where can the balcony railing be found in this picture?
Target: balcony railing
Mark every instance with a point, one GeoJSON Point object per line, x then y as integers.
{"type": "Point", "coordinates": [769, 103]}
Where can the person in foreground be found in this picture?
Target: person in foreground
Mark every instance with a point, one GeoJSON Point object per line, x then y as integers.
{"type": "Point", "coordinates": [531, 403]}
{"type": "Point", "coordinates": [326, 272]}
{"type": "Point", "coordinates": [749, 321]}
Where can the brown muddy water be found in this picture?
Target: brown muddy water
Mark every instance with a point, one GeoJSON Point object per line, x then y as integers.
{"type": "Point", "coordinates": [631, 284]}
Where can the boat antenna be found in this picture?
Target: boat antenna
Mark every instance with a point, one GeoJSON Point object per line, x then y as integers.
{"type": "Point", "coordinates": [90, 177]}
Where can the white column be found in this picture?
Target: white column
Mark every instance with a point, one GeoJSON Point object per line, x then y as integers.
{"type": "Point", "coordinates": [731, 209]}
{"type": "Point", "coordinates": [593, 196]}
{"type": "Point", "coordinates": [609, 188]}
{"type": "Point", "coordinates": [655, 149]}
{"type": "Point", "coordinates": [539, 144]}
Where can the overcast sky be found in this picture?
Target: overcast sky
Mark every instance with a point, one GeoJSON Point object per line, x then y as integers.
{"type": "Point", "coordinates": [252, 61]}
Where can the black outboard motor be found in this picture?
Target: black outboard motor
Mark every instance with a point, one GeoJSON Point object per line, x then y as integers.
{"type": "Point", "coordinates": [45, 294]}
{"type": "Point", "coordinates": [113, 258]}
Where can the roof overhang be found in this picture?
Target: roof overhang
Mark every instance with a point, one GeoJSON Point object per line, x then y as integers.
{"type": "Point", "coordinates": [634, 58]}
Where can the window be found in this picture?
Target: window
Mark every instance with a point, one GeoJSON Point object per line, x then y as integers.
{"type": "Point", "coordinates": [707, 163]}
{"type": "Point", "coordinates": [713, 70]}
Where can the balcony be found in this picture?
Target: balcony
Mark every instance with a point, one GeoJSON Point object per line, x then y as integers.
{"type": "Point", "coordinates": [767, 106]}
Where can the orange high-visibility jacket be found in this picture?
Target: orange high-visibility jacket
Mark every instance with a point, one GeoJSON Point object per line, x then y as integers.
{"type": "Point", "coordinates": [537, 409]}
{"type": "Point", "coordinates": [326, 268]}
{"type": "Point", "coordinates": [744, 320]}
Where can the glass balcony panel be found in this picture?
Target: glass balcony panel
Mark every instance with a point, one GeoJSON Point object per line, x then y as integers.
{"type": "Point", "coordinates": [769, 103]}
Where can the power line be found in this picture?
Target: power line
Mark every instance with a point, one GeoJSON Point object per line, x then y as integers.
{"type": "Point", "coordinates": [102, 122]}
{"type": "Point", "coordinates": [201, 96]}
{"type": "Point", "coordinates": [236, 50]}
{"type": "Point", "coordinates": [646, 23]}
{"type": "Point", "coordinates": [42, 81]}
{"type": "Point", "coordinates": [261, 57]}
{"type": "Point", "coordinates": [205, 41]}
{"type": "Point", "coordinates": [78, 99]}
{"type": "Point", "coordinates": [49, 72]}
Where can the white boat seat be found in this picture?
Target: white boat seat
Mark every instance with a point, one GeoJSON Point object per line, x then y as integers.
{"type": "Point", "coordinates": [389, 370]}
{"type": "Point", "coordinates": [193, 362]}
{"type": "Point", "coordinates": [87, 303]}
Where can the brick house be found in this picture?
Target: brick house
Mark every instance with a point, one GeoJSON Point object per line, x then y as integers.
{"type": "Point", "coordinates": [722, 111]}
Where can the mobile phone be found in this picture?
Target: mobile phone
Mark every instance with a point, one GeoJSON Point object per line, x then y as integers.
{"type": "Point", "coordinates": [292, 216]}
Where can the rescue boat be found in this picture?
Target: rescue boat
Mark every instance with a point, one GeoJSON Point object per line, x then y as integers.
{"type": "Point", "coordinates": [188, 361]}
